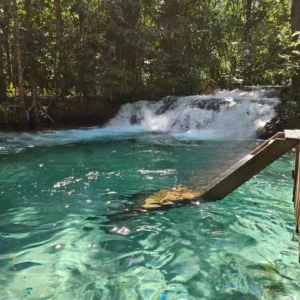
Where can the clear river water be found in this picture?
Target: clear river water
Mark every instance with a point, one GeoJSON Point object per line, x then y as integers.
{"type": "Point", "coordinates": [71, 228]}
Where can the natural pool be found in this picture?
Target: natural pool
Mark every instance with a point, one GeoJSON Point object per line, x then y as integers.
{"type": "Point", "coordinates": [66, 231]}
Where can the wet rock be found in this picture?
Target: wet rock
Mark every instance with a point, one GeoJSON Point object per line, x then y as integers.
{"type": "Point", "coordinates": [169, 104]}
{"type": "Point", "coordinates": [277, 124]}
{"type": "Point", "coordinates": [169, 197]}
{"type": "Point", "coordinates": [215, 104]}
{"type": "Point", "coordinates": [134, 119]}
{"type": "Point", "coordinates": [271, 128]}
{"type": "Point", "coordinates": [262, 133]}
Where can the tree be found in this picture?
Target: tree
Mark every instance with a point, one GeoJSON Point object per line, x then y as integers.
{"type": "Point", "coordinates": [31, 56]}
{"type": "Point", "coordinates": [6, 33]}
{"type": "Point", "coordinates": [59, 38]}
{"type": "Point", "coordinates": [248, 42]}
{"type": "Point", "coordinates": [295, 26]}
{"type": "Point", "coordinates": [132, 49]}
{"type": "Point", "coordinates": [2, 77]}
{"type": "Point", "coordinates": [18, 56]}
{"type": "Point", "coordinates": [3, 25]}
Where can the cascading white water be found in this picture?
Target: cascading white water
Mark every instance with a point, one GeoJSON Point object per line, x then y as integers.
{"type": "Point", "coordinates": [227, 115]}
{"type": "Point", "coordinates": [231, 115]}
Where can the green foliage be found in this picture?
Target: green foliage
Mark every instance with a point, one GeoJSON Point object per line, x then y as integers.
{"type": "Point", "coordinates": [293, 112]}
{"type": "Point", "coordinates": [11, 89]}
{"type": "Point", "coordinates": [129, 48]}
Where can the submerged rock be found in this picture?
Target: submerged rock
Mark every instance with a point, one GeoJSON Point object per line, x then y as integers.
{"type": "Point", "coordinates": [169, 197]}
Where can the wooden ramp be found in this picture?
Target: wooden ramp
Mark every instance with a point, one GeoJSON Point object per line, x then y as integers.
{"type": "Point", "coordinates": [252, 164]}
{"type": "Point", "coordinates": [255, 162]}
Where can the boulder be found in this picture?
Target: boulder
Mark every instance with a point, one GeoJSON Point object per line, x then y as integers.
{"type": "Point", "coordinates": [278, 123]}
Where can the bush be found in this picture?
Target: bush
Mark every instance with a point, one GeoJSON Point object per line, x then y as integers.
{"type": "Point", "coordinates": [293, 113]}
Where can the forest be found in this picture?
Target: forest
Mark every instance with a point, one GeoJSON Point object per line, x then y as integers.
{"type": "Point", "coordinates": [117, 51]}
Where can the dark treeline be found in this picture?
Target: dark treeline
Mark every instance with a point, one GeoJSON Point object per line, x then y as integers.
{"type": "Point", "coordinates": [130, 49]}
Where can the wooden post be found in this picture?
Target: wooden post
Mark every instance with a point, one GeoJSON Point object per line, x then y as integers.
{"type": "Point", "coordinates": [296, 197]}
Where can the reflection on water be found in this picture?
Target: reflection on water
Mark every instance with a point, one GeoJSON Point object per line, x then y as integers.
{"type": "Point", "coordinates": [69, 228]}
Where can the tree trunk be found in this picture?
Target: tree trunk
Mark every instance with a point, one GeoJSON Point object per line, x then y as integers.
{"type": "Point", "coordinates": [80, 11]}
{"type": "Point", "coordinates": [295, 26]}
{"type": "Point", "coordinates": [248, 42]}
{"type": "Point", "coordinates": [2, 77]}
{"type": "Point", "coordinates": [131, 51]}
{"type": "Point", "coordinates": [59, 37]}
{"type": "Point", "coordinates": [34, 103]}
{"type": "Point", "coordinates": [6, 43]}
{"type": "Point", "coordinates": [18, 58]}
{"type": "Point", "coordinates": [8, 57]}
{"type": "Point", "coordinates": [169, 43]}
{"type": "Point", "coordinates": [33, 65]}
{"type": "Point", "coordinates": [3, 27]}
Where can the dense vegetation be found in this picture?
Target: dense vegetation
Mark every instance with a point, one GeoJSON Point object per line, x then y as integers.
{"type": "Point", "coordinates": [129, 49]}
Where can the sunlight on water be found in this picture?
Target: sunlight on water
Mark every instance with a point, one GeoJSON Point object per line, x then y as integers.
{"type": "Point", "coordinates": [70, 227]}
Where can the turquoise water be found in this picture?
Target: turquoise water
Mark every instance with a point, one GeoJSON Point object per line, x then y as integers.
{"type": "Point", "coordinates": [70, 226]}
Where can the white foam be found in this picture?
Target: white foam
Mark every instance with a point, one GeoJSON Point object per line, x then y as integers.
{"type": "Point", "coordinates": [16, 142]}
{"type": "Point", "coordinates": [235, 115]}
{"type": "Point", "coordinates": [228, 115]}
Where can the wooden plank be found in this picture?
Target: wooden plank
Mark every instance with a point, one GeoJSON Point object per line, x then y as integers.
{"type": "Point", "coordinates": [278, 135]}
{"type": "Point", "coordinates": [296, 197]}
{"type": "Point", "coordinates": [247, 168]}
{"type": "Point", "coordinates": [297, 189]}
{"type": "Point", "coordinates": [263, 145]}
{"type": "Point", "coordinates": [291, 134]}
{"type": "Point", "coordinates": [295, 173]}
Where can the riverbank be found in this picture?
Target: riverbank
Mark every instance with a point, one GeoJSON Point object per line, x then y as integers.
{"type": "Point", "coordinates": [71, 112]}
{"type": "Point", "coordinates": [77, 112]}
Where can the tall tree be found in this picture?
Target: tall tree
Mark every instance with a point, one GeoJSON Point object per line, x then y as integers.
{"type": "Point", "coordinates": [58, 50]}
{"type": "Point", "coordinates": [18, 56]}
{"type": "Point", "coordinates": [129, 49]}
{"type": "Point", "coordinates": [295, 26]}
{"type": "Point", "coordinates": [4, 50]}
{"type": "Point", "coordinates": [31, 56]}
{"type": "Point", "coordinates": [2, 76]}
{"type": "Point", "coordinates": [248, 41]}
{"type": "Point", "coordinates": [6, 33]}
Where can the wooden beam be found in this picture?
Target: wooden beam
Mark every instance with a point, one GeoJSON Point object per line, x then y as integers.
{"type": "Point", "coordinates": [255, 162]}
{"type": "Point", "coordinates": [292, 134]}
{"type": "Point", "coordinates": [296, 197]}
{"type": "Point", "coordinates": [297, 189]}
{"type": "Point", "coordinates": [248, 167]}
{"type": "Point", "coordinates": [278, 135]}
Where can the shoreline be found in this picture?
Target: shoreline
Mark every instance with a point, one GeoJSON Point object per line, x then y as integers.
{"type": "Point", "coordinates": [75, 112]}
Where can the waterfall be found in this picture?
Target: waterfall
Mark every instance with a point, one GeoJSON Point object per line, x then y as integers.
{"type": "Point", "coordinates": [234, 115]}
{"type": "Point", "coordinates": [227, 115]}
